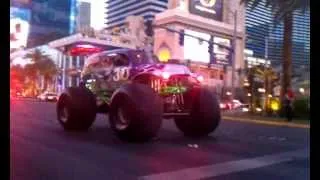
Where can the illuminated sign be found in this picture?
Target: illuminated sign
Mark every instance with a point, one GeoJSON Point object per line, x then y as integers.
{"type": "Point", "coordinates": [19, 27]}
{"type": "Point", "coordinates": [198, 51]}
{"type": "Point", "coordinates": [20, 3]}
{"type": "Point", "coordinates": [211, 9]}
{"type": "Point", "coordinates": [164, 54]}
{"type": "Point", "coordinates": [222, 55]}
{"type": "Point", "coordinates": [195, 51]}
{"type": "Point", "coordinates": [51, 19]}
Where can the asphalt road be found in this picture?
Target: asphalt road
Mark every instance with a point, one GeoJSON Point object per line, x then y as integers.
{"type": "Point", "coordinates": [41, 150]}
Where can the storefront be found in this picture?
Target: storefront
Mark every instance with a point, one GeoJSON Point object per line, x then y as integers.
{"type": "Point", "coordinates": [76, 48]}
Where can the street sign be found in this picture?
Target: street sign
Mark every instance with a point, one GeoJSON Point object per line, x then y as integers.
{"type": "Point", "coordinates": [276, 91]}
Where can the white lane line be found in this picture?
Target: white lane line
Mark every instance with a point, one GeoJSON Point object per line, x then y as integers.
{"type": "Point", "coordinates": [228, 167]}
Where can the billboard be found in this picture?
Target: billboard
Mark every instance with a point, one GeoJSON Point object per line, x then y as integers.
{"type": "Point", "coordinates": [198, 51]}
{"type": "Point", "coordinates": [222, 55]}
{"type": "Point", "coordinates": [211, 9]}
{"type": "Point", "coordinates": [194, 50]}
{"type": "Point", "coordinates": [19, 27]}
{"type": "Point", "coordinates": [49, 17]}
{"type": "Point", "coordinates": [20, 3]}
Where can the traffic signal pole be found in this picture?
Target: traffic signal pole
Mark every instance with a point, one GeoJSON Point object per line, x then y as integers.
{"type": "Point", "coordinates": [234, 39]}
{"type": "Point", "coordinates": [181, 33]}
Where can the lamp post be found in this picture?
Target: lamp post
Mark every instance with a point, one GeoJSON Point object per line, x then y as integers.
{"type": "Point", "coordinates": [234, 38]}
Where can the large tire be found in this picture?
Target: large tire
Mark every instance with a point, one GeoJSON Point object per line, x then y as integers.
{"type": "Point", "coordinates": [205, 114]}
{"type": "Point", "coordinates": [76, 109]}
{"type": "Point", "coordinates": [135, 113]}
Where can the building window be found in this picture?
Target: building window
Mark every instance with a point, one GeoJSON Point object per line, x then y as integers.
{"type": "Point", "coordinates": [74, 61]}
{"type": "Point", "coordinates": [73, 81]}
{"type": "Point", "coordinates": [82, 61]}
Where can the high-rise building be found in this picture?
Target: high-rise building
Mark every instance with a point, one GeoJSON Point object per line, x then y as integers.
{"type": "Point", "coordinates": [118, 10]}
{"type": "Point", "coordinates": [49, 20]}
{"type": "Point", "coordinates": [84, 14]}
{"type": "Point", "coordinates": [266, 41]}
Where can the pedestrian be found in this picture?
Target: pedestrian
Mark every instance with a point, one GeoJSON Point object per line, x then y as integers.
{"type": "Point", "coordinates": [289, 96]}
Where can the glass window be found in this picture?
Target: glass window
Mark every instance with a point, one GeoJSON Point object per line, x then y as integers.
{"type": "Point", "coordinates": [73, 81]}
{"type": "Point", "coordinates": [120, 60]}
{"type": "Point", "coordinates": [74, 61]}
{"type": "Point", "coordinates": [140, 57]}
{"type": "Point", "coordinates": [82, 61]}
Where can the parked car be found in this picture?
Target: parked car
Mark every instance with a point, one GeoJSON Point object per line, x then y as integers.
{"type": "Point", "coordinates": [48, 96]}
{"type": "Point", "coordinates": [244, 108]}
{"type": "Point", "coordinates": [229, 105]}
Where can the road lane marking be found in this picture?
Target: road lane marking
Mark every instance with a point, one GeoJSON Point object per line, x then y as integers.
{"type": "Point", "coordinates": [228, 167]}
{"type": "Point", "coordinates": [274, 123]}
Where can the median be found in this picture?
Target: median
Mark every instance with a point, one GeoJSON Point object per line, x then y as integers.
{"type": "Point", "coordinates": [276, 121]}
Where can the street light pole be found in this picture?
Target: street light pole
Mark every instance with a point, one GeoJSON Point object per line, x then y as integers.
{"type": "Point", "coordinates": [234, 38]}
{"type": "Point", "coordinates": [266, 48]}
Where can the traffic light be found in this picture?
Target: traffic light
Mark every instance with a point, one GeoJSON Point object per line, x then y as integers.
{"type": "Point", "coordinates": [229, 58]}
{"type": "Point", "coordinates": [210, 48]}
{"type": "Point", "coordinates": [181, 37]}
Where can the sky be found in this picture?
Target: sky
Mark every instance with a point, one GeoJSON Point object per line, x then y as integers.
{"type": "Point", "coordinates": [97, 13]}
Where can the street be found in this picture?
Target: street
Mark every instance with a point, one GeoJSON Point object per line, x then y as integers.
{"type": "Point", "coordinates": [40, 149]}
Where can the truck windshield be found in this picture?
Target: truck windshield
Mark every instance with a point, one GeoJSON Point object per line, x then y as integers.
{"type": "Point", "coordinates": [141, 57]}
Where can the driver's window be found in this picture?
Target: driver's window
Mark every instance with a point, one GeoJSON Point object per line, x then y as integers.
{"type": "Point", "coordinates": [121, 60]}
{"type": "Point", "coordinates": [106, 61]}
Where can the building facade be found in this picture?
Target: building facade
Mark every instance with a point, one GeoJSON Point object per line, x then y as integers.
{"type": "Point", "coordinates": [203, 22]}
{"type": "Point", "coordinates": [83, 15]}
{"type": "Point", "coordinates": [118, 10]}
{"type": "Point", "coordinates": [48, 19]}
{"type": "Point", "coordinates": [51, 20]}
{"type": "Point", "coordinates": [267, 42]}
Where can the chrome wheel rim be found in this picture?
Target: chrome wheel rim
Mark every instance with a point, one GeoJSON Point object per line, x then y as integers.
{"type": "Point", "coordinates": [122, 121]}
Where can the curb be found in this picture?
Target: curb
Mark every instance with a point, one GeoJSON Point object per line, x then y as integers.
{"type": "Point", "coordinates": [26, 99]}
{"type": "Point", "coordinates": [272, 123]}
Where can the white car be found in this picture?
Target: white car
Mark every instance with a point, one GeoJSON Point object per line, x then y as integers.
{"type": "Point", "coordinates": [48, 96]}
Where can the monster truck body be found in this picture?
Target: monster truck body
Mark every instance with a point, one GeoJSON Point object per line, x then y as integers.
{"type": "Point", "coordinates": [103, 75]}
{"type": "Point", "coordinates": [137, 91]}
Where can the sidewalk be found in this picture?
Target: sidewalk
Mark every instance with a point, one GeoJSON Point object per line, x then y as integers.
{"type": "Point", "coordinates": [24, 99]}
{"type": "Point", "coordinates": [273, 121]}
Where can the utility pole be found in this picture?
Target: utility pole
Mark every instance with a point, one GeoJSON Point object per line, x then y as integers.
{"type": "Point", "coordinates": [266, 78]}
{"type": "Point", "coordinates": [235, 16]}
{"type": "Point", "coordinates": [266, 48]}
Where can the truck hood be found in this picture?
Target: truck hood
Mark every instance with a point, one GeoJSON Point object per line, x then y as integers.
{"type": "Point", "coordinates": [158, 69]}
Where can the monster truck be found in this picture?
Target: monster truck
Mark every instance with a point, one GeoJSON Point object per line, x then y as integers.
{"type": "Point", "coordinates": [138, 92]}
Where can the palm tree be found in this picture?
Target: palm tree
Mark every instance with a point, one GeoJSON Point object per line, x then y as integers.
{"type": "Point", "coordinates": [48, 69]}
{"type": "Point", "coordinates": [283, 11]}
{"type": "Point", "coordinates": [30, 71]}
{"type": "Point", "coordinates": [36, 56]}
{"type": "Point", "coordinates": [16, 77]}
{"type": "Point", "coordinates": [42, 65]}
{"type": "Point", "coordinates": [16, 71]}
{"type": "Point", "coordinates": [268, 76]}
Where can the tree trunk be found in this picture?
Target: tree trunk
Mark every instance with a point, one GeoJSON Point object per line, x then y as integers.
{"type": "Point", "coordinates": [33, 87]}
{"type": "Point", "coordinates": [266, 80]}
{"type": "Point", "coordinates": [287, 53]}
{"type": "Point", "coordinates": [45, 83]}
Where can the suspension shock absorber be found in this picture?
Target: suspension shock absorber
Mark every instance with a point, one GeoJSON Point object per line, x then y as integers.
{"type": "Point", "coordinates": [155, 84]}
{"type": "Point", "coordinates": [181, 98]}
{"type": "Point", "coordinates": [179, 95]}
